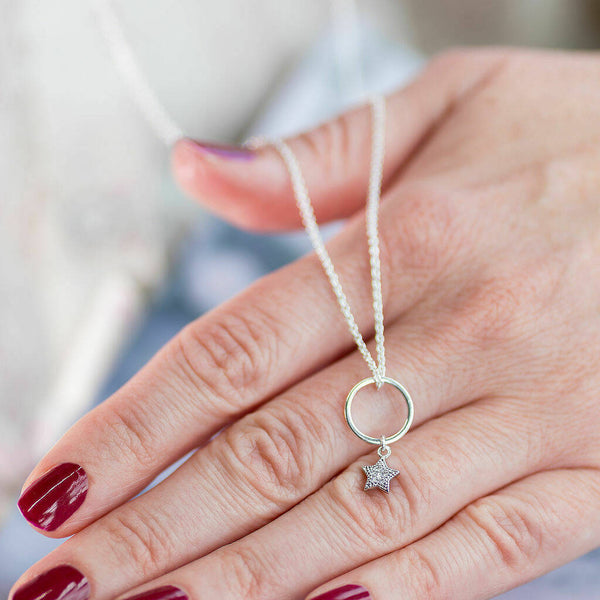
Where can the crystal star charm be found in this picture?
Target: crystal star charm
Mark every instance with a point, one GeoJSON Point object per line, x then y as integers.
{"type": "Point", "coordinates": [379, 475]}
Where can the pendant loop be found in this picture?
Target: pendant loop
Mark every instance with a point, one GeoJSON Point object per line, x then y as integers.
{"type": "Point", "coordinates": [384, 451]}
{"type": "Point", "coordinates": [388, 439]}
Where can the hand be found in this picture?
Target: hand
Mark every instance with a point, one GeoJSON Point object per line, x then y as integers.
{"type": "Point", "coordinates": [490, 229]}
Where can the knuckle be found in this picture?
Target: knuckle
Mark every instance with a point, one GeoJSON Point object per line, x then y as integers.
{"type": "Point", "coordinates": [131, 435]}
{"type": "Point", "coordinates": [331, 143]}
{"type": "Point", "coordinates": [422, 237]}
{"type": "Point", "coordinates": [245, 574]}
{"type": "Point", "coordinates": [421, 572]}
{"type": "Point", "coordinates": [272, 451]}
{"type": "Point", "coordinates": [375, 520]}
{"type": "Point", "coordinates": [500, 308]}
{"type": "Point", "coordinates": [226, 356]}
{"type": "Point", "coordinates": [139, 540]}
{"type": "Point", "coordinates": [510, 529]}
{"type": "Point", "coordinates": [490, 314]}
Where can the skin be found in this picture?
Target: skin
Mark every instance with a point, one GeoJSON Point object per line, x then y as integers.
{"type": "Point", "coordinates": [490, 229]}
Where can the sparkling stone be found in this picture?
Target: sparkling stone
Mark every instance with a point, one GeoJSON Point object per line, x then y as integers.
{"type": "Point", "coordinates": [379, 475]}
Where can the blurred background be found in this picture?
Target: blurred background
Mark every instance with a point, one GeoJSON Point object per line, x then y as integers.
{"type": "Point", "coordinates": [103, 260]}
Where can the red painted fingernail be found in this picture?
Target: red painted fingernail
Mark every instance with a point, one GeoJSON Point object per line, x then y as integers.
{"type": "Point", "coordinates": [60, 583]}
{"type": "Point", "coordinates": [167, 592]}
{"type": "Point", "coordinates": [224, 151]}
{"type": "Point", "coordinates": [346, 592]}
{"type": "Point", "coordinates": [53, 498]}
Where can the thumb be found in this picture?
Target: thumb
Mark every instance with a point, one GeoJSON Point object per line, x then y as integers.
{"type": "Point", "coordinates": [251, 187]}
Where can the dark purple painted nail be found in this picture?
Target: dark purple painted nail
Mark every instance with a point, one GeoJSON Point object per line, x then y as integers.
{"type": "Point", "coordinates": [60, 583]}
{"type": "Point", "coordinates": [53, 498]}
{"type": "Point", "coordinates": [167, 592]}
{"type": "Point", "coordinates": [346, 592]}
{"type": "Point", "coordinates": [225, 151]}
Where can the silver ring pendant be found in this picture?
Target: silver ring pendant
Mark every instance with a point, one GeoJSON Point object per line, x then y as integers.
{"type": "Point", "coordinates": [378, 440]}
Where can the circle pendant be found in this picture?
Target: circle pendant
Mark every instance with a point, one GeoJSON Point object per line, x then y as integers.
{"type": "Point", "coordinates": [374, 440]}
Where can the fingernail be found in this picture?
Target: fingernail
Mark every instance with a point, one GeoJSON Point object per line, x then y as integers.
{"type": "Point", "coordinates": [346, 592]}
{"type": "Point", "coordinates": [60, 583]}
{"type": "Point", "coordinates": [224, 151]}
{"type": "Point", "coordinates": [167, 592]}
{"type": "Point", "coordinates": [53, 498]}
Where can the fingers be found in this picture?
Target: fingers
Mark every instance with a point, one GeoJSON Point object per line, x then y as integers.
{"type": "Point", "coordinates": [496, 543]}
{"type": "Point", "coordinates": [259, 468]}
{"type": "Point", "coordinates": [251, 188]}
{"type": "Point", "coordinates": [444, 465]}
{"type": "Point", "coordinates": [225, 364]}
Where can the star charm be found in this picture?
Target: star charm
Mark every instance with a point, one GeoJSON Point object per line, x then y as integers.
{"type": "Point", "coordinates": [379, 475]}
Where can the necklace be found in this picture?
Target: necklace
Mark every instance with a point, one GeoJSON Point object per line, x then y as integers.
{"type": "Point", "coordinates": [380, 474]}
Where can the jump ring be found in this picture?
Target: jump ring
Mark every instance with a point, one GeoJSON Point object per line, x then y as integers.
{"type": "Point", "coordinates": [384, 451]}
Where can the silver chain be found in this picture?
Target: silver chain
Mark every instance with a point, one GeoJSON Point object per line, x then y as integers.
{"type": "Point", "coordinates": [128, 68]}
{"type": "Point", "coordinates": [309, 220]}
{"type": "Point", "coordinates": [170, 132]}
